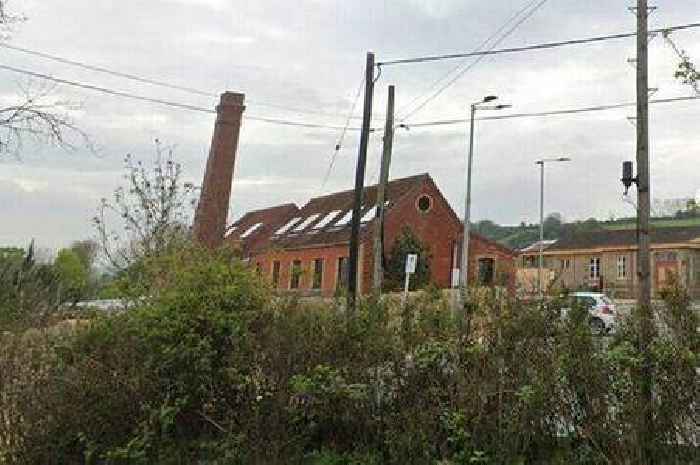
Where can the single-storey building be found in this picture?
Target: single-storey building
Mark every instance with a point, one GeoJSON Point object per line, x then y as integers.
{"type": "Point", "coordinates": [606, 260]}
{"type": "Point", "coordinates": [306, 249]}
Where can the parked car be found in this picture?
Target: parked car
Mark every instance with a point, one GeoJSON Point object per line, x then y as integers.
{"type": "Point", "coordinates": [603, 315]}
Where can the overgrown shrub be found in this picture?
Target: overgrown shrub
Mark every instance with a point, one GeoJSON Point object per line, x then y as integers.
{"type": "Point", "coordinates": [209, 369]}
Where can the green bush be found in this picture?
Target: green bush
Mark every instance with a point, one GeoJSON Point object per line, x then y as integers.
{"type": "Point", "coordinates": [209, 369]}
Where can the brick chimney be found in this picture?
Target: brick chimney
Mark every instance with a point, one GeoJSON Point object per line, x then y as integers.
{"type": "Point", "coordinates": [212, 209]}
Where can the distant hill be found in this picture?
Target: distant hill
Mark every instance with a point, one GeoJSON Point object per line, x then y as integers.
{"type": "Point", "coordinates": [657, 222]}
{"type": "Point", "coordinates": [518, 237]}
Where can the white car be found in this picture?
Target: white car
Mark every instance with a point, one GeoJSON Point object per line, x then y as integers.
{"type": "Point", "coordinates": [601, 308]}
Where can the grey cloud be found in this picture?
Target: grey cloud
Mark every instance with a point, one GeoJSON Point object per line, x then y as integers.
{"type": "Point", "coordinates": [309, 54]}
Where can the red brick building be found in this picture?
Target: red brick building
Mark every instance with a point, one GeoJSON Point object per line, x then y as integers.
{"type": "Point", "coordinates": [307, 249]}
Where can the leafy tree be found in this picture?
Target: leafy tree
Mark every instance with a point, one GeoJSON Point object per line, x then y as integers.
{"type": "Point", "coordinates": [553, 224]}
{"type": "Point", "coordinates": [27, 289]}
{"type": "Point", "coordinates": [487, 228]}
{"type": "Point", "coordinates": [73, 275]}
{"type": "Point", "coordinates": [407, 243]}
{"type": "Point", "coordinates": [11, 254]}
{"type": "Point", "coordinates": [86, 251]}
{"type": "Point", "coordinates": [145, 218]}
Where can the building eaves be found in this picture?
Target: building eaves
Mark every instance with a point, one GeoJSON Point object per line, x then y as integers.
{"type": "Point", "coordinates": [625, 239]}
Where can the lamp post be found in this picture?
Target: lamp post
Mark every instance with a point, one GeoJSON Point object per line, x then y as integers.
{"type": "Point", "coordinates": [541, 243]}
{"type": "Point", "coordinates": [463, 269]}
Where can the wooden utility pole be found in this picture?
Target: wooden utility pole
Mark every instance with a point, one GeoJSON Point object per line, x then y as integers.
{"type": "Point", "coordinates": [643, 252]}
{"type": "Point", "coordinates": [381, 194]}
{"type": "Point", "coordinates": [359, 183]}
{"type": "Point", "coordinates": [643, 194]}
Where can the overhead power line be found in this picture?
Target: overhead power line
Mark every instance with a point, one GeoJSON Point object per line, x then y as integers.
{"type": "Point", "coordinates": [504, 36]}
{"type": "Point", "coordinates": [181, 106]}
{"type": "Point", "coordinates": [534, 47]}
{"type": "Point", "coordinates": [339, 144]}
{"type": "Point", "coordinates": [283, 122]}
{"type": "Point", "coordinates": [448, 122]}
{"type": "Point", "coordinates": [154, 82]}
{"type": "Point", "coordinates": [112, 72]}
{"type": "Point", "coordinates": [481, 46]}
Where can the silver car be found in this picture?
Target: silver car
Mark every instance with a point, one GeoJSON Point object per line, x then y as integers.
{"type": "Point", "coordinates": [603, 315]}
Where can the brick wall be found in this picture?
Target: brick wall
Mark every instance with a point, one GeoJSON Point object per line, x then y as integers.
{"type": "Point", "coordinates": [438, 228]}
{"type": "Point", "coordinates": [329, 254]}
{"type": "Point", "coordinates": [505, 261]}
{"type": "Point", "coordinates": [441, 231]}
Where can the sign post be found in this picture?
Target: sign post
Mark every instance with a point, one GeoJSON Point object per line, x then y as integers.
{"type": "Point", "coordinates": [411, 261]}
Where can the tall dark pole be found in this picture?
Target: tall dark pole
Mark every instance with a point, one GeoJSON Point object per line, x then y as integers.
{"type": "Point", "coordinates": [643, 252]}
{"type": "Point", "coordinates": [359, 183]}
{"type": "Point", "coordinates": [464, 268]}
{"type": "Point", "coordinates": [381, 193]}
{"type": "Point", "coordinates": [541, 247]}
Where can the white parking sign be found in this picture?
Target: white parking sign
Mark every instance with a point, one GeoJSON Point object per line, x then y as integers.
{"type": "Point", "coordinates": [411, 261]}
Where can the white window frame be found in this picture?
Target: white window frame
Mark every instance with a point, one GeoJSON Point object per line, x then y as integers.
{"type": "Point", "coordinates": [621, 267]}
{"type": "Point", "coordinates": [594, 268]}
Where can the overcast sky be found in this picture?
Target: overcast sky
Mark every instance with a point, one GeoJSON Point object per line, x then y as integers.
{"type": "Point", "coordinates": [310, 55]}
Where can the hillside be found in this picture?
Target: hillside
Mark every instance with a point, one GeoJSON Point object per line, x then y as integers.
{"type": "Point", "coordinates": [520, 236]}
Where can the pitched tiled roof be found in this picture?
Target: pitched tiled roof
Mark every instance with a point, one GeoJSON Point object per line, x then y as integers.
{"type": "Point", "coordinates": [624, 238]}
{"type": "Point", "coordinates": [318, 233]}
{"type": "Point", "coordinates": [267, 219]}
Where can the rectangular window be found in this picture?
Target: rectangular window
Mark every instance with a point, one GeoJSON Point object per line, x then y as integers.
{"type": "Point", "coordinates": [594, 271]}
{"type": "Point", "coordinates": [295, 275]}
{"type": "Point", "coordinates": [318, 273]}
{"type": "Point", "coordinates": [342, 277]}
{"type": "Point", "coordinates": [530, 261]}
{"type": "Point", "coordinates": [621, 267]}
{"type": "Point", "coordinates": [487, 268]}
{"type": "Point", "coordinates": [276, 274]}
{"type": "Point", "coordinates": [565, 263]}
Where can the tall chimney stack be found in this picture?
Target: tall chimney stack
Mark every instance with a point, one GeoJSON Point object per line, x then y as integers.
{"type": "Point", "coordinates": [212, 209]}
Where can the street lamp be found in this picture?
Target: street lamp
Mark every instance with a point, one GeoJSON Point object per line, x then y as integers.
{"type": "Point", "coordinates": [541, 243]}
{"type": "Point", "coordinates": [463, 269]}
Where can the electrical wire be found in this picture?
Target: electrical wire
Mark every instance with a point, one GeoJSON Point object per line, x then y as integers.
{"type": "Point", "coordinates": [100, 69]}
{"type": "Point", "coordinates": [534, 47]}
{"type": "Point", "coordinates": [339, 144]}
{"type": "Point", "coordinates": [346, 127]}
{"type": "Point", "coordinates": [448, 122]}
{"type": "Point", "coordinates": [462, 63]}
{"type": "Point", "coordinates": [504, 36]}
{"type": "Point", "coordinates": [154, 82]}
{"type": "Point", "coordinates": [169, 103]}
